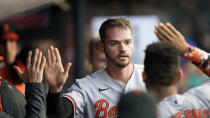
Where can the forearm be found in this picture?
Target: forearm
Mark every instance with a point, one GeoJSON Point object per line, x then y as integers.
{"type": "Point", "coordinates": [59, 107]}
{"type": "Point", "coordinates": [36, 100]}
{"type": "Point", "coordinates": [199, 57]}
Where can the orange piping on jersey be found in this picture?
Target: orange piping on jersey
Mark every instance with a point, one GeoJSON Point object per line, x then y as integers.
{"type": "Point", "coordinates": [75, 105]}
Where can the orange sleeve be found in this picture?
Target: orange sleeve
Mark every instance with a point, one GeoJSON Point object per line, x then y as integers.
{"type": "Point", "coordinates": [199, 57]}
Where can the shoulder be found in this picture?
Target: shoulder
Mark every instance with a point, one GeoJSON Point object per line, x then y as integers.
{"type": "Point", "coordinates": [139, 67]}
{"type": "Point", "coordinates": [93, 78]}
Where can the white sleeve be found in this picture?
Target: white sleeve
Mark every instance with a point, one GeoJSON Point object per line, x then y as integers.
{"type": "Point", "coordinates": [76, 95]}
{"type": "Point", "coordinates": [201, 92]}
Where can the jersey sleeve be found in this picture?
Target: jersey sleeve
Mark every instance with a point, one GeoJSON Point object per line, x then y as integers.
{"type": "Point", "coordinates": [199, 57]}
{"type": "Point", "coordinates": [202, 93]}
{"type": "Point", "coordinates": [76, 95]}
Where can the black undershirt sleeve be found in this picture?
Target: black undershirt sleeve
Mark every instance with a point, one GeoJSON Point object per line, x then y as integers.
{"type": "Point", "coordinates": [59, 107]}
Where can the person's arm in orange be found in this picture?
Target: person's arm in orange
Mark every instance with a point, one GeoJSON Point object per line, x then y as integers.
{"type": "Point", "coordinates": [167, 33]}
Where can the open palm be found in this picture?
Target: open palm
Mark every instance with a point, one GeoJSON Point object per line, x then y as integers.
{"type": "Point", "coordinates": [167, 33]}
{"type": "Point", "coordinates": [54, 72]}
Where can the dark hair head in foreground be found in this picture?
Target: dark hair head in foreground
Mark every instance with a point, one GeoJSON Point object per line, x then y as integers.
{"type": "Point", "coordinates": [137, 105]}
{"type": "Point", "coordinates": [161, 64]}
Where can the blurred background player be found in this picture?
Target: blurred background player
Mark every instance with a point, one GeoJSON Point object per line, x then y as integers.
{"type": "Point", "coordinates": [96, 57]}
{"type": "Point", "coordinates": [13, 104]}
{"type": "Point", "coordinates": [9, 49]}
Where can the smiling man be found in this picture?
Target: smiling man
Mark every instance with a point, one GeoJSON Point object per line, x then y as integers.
{"type": "Point", "coordinates": [97, 95]}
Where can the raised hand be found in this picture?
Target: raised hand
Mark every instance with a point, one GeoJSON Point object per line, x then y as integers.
{"type": "Point", "coordinates": [167, 33]}
{"type": "Point", "coordinates": [34, 68]}
{"type": "Point", "coordinates": [54, 72]}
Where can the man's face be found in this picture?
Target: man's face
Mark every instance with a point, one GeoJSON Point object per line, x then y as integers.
{"type": "Point", "coordinates": [118, 46]}
{"type": "Point", "coordinates": [8, 47]}
{"type": "Point", "coordinates": [98, 60]}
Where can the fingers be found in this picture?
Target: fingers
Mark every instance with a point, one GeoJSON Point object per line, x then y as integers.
{"type": "Point", "coordinates": [29, 59]}
{"type": "Point", "coordinates": [66, 69]}
{"type": "Point", "coordinates": [34, 60]}
{"type": "Point", "coordinates": [160, 37]}
{"type": "Point", "coordinates": [57, 54]}
{"type": "Point", "coordinates": [164, 33]}
{"type": "Point", "coordinates": [166, 30]}
{"type": "Point", "coordinates": [53, 57]}
{"type": "Point", "coordinates": [43, 63]}
{"type": "Point", "coordinates": [39, 58]}
{"type": "Point", "coordinates": [172, 28]}
{"type": "Point", "coordinates": [49, 61]}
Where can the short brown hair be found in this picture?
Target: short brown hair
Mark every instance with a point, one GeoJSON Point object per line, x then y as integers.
{"type": "Point", "coordinates": [94, 43]}
{"type": "Point", "coordinates": [113, 22]}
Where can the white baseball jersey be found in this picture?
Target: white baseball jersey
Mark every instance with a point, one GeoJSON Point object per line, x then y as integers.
{"type": "Point", "coordinates": [195, 103]}
{"type": "Point", "coordinates": [97, 95]}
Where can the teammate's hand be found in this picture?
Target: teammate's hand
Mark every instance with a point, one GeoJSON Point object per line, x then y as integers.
{"type": "Point", "coordinates": [54, 72]}
{"type": "Point", "coordinates": [167, 33]}
{"type": "Point", "coordinates": [34, 68]}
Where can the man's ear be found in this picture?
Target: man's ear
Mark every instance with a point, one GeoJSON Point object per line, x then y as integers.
{"type": "Point", "coordinates": [89, 58]}
{"type": "Point", "coordinates": [180, 75]}
{"type": "Point", "coordinates": [144, 77]}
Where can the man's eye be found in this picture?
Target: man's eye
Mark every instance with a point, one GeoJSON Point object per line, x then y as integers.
{"type": "Point", "coordinates": [127, 42]}
{"type": "Point", "coordinates": [113, 43]}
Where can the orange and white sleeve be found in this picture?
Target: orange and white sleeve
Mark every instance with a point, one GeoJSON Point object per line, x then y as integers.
{"type": "Point", "coordinates": [198, 57]}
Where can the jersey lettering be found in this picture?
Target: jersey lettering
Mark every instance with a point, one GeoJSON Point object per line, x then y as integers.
{"type": "Point", "coordinates": [177, 115]}
{"type": "Point", "coordinates": [188, 113]}
{"type": "Point", "coordinates": [206, 113]}
{"type": "Point", "coordinates": [101, 108]}
{"type": "Point", "coordinates": [192, 114]}
{"type": "Point", "coordinates": [113, 112]}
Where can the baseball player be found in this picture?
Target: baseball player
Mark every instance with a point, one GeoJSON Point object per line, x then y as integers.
{"type": "Point", "coordinates": [9, 49]}
{"type": "Point", "coordinates": [162, 74]}
{"type": "Point", "coordinates": [95, 56]}
{"type": "Point", "coordinates": [97, 94]}
{"type": "Point", "coordinates": [167, 33]}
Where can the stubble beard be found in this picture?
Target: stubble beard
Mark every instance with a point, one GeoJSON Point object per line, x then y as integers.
{"type": "Point", "coordinates": [114, 61]}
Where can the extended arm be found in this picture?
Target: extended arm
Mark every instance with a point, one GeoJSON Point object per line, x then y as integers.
{"type": "Point", "coordinates": [56, 77]}
{"type": "Point", "coordinates": [35, 90]}
{"type": "Point", "coordinates": [167, 33]}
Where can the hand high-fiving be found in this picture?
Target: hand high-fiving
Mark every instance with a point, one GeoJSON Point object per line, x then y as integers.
{"type": "Point", "coordinates": [167, 33]}
{"type": "Point", "coordinates": [54, 72]}
{"type": "Point", "coordinates": [34, 68]}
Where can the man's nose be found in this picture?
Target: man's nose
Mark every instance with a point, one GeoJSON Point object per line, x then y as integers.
{"type": "Point", "coordinates": [122, 47]}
